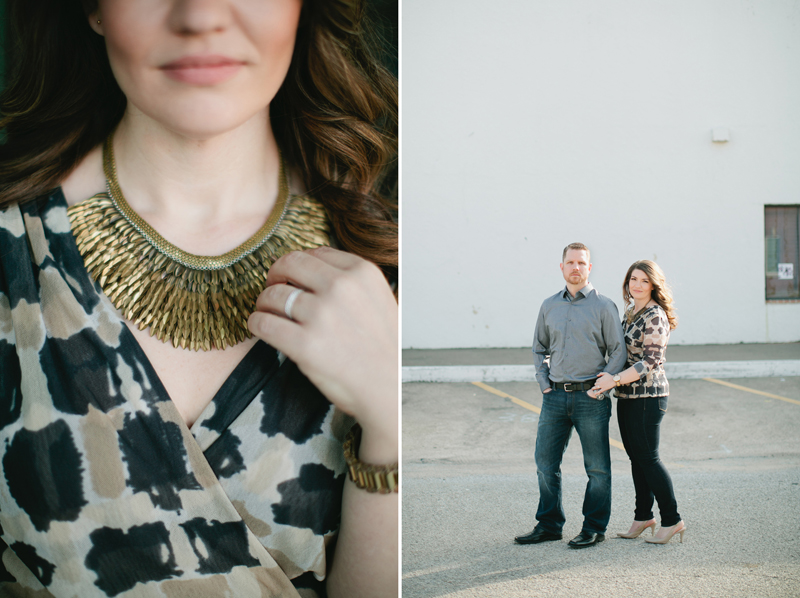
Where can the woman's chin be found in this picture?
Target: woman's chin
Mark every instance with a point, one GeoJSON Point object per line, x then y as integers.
{"type": "Point", "coordinates": [203, 121]}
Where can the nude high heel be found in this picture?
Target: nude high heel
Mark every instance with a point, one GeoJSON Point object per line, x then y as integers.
{"type": "Point", "coordinates": [636, 531]}
{"type": "Point", "coordinates": [678, 528]}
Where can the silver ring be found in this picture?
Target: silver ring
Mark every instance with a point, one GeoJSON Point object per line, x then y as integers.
{"type": "Point", "coordinates": [287, 308]}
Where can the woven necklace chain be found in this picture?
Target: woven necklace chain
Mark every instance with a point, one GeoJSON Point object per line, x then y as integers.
{"type": "Point", "coordinates": [195, 302]}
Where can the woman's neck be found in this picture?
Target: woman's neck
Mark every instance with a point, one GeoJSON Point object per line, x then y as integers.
{"type": "Point", "coordinates": [640, 304]}
{"type": "Point", "coordinates": [207, 196]}
{"type": "Point", "coordinates": [163, 174]}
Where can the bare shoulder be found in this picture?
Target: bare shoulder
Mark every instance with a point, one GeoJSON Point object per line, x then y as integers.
{"type": "Point", "coordinates": [87, 179]}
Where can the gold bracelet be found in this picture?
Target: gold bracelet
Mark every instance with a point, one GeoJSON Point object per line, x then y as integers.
{"type": "Point", "coordinates": [372, 478]}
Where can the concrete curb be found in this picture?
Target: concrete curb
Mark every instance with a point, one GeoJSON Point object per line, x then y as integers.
{"type": "Point", "coordinates": [675, 371]}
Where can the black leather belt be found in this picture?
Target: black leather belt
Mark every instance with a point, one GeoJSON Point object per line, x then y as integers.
{"type": "Point", "coordinates": [573, 386]}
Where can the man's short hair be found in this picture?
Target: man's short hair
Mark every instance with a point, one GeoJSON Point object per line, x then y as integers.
{"type": "Point", "coordinates": [579, 247]}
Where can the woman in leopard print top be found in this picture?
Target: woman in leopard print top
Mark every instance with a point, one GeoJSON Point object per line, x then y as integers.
{"type": "Point", "coordinates": [646, 336]}
{"type": "Point", "coordinates": [643, 391]}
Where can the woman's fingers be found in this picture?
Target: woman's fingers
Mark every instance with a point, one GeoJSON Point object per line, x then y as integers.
{"type": "Point", "coordinates": [318, 269]}
{"type": "Point", "coordinates": [342, 333]}
{"type": "Point", "coordinates": [302, 269]}
{"type": "Point", "coordinates": [604, 381]}
{"type": "Point", "coordinates": [336, 258]}
{"type": "Point", "coordinates": [276, 298]}
{"type": "Point", "coordinates": [277, 331]}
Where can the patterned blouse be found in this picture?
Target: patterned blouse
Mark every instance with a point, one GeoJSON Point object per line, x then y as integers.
{"type": "Point", "coordinates": [646, 338]}
{"type": "Point", "coordinates": [104, 491]}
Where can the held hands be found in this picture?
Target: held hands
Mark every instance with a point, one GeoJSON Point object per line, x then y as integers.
{"type": "Point", "coordinates": [605, 382]}
{"type": "Point", "coordinates": [342, 334]}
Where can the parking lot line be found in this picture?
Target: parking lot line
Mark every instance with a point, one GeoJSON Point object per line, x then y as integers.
{"type": "Point", "coordinates": [758, 392]}
{"type": "Point", "coordinates": [500, 393]}
{"type": "Point", "coordinates": [533, 408]}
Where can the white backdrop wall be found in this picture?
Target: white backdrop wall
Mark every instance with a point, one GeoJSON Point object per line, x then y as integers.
{"type": "Point", "coordinates": [530, 124]}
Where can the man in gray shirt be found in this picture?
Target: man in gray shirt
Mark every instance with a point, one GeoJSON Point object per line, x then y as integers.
{"type": "Point", "coordinates": [577, 329]}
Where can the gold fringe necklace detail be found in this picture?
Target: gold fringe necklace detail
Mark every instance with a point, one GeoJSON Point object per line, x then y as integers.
{"type": "Point", "coordinates": [195, 302]}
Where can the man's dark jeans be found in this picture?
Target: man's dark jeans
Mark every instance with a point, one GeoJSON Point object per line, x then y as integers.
{"type": "Point", "coordinates": [561, 411]}
{"type": "Point", "coordinates": [639, 425]}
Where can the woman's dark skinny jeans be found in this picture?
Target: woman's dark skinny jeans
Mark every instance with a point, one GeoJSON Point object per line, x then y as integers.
{"type": "Point", "coordinates": [639, 424]}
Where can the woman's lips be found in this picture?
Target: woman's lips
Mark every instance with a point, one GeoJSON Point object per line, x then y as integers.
{"type": "Point", "coordinates": [202, 70]}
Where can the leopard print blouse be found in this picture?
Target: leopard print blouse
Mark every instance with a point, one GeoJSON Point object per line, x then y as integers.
{"type": "Point", "coordinates": [104, 491]}
{"type": "Point", "coordinates": [646, 338]}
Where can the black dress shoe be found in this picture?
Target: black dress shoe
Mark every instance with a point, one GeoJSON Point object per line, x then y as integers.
{"type": "Point", "coordinates": [536, 536]}
{"type": "Point", "coordinates": [584, 539]}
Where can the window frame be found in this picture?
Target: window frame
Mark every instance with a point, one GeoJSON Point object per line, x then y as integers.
{"type": "Point", "coordinates": [773, 255]}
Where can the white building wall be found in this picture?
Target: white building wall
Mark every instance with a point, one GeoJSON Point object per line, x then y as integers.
{"type": "Point", "coordinates": [530, 124]}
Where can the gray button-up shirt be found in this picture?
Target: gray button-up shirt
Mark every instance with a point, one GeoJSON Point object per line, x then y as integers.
{"type": "Point", "coordinates": [577, 333]}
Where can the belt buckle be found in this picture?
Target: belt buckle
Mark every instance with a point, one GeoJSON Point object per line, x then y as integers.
{"type": "Point", "coordinates": [568, 387]}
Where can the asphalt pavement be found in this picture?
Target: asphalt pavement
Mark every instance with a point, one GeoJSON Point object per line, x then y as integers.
{"type": "Point", "coordinates": [732, 446]}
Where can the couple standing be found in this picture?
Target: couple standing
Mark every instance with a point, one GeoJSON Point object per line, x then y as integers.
{"type": "Point", "coordinates": [577, 328]}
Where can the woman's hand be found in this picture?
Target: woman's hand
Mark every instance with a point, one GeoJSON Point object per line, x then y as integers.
{"type": "Point", "coordinates": [604, 383]}
{"type": "Point", "coordinates": [342, 335]}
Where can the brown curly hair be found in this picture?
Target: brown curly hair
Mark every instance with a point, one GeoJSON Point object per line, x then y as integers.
{"type": "Point", "coordinates": [335, 116]}
{"type": "Point", "coordinates": [661, 292]}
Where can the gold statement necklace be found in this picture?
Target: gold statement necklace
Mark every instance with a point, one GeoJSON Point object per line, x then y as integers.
{"type": "Point", "coordinates": [195, 302]}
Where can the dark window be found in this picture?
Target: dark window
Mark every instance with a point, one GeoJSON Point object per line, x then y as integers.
{"type": "Point", "coordinates": [782, 251]}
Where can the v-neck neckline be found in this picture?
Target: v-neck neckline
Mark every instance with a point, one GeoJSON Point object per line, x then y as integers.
{"type": "Point", "coordinates": [256, 355]}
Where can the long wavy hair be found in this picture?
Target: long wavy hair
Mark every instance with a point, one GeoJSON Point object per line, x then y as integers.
{"type": "Point", "coordinates": [661, 292]}
{"type": "Point", "coordinates": [334, 117]}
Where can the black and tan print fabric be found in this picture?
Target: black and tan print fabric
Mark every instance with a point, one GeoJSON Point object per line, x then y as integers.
{"type": "Point", "coordinates": [646, 338]}
{"type": "Point", "coordinates": [104, 491]}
